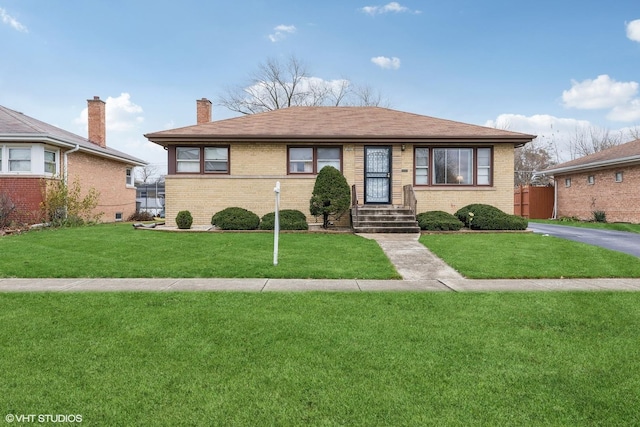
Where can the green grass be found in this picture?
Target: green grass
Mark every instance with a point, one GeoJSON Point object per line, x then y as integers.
{"type": "Point", "coordinates": [357, 359]}
{"type": "Point", "coordinates": [117, 250]}
{"type": "Point", "coordinates": [528, 255]}
{"type": "Point", "coordinates": [616, 226]}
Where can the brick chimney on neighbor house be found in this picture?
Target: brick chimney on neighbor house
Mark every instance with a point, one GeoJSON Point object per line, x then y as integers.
{"type": "Point", "coordinates": [203, 110]}
{"type": "Point", "coordinates": [97, 121]}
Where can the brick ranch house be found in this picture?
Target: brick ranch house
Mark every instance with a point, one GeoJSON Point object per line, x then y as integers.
{"type": "Point", "coordinates": [383, 154]}
{"type": "Point", "coordinates": [32, 152]}
{"type": "Point", "coordinates": [604, 181]}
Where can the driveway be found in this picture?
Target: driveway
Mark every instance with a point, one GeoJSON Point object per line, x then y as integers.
{"type": "Point", "coordinates": [621, 241]}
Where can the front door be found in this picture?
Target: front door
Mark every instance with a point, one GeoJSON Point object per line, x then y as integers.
{"type": "Point", "coordinates": [377, 175]}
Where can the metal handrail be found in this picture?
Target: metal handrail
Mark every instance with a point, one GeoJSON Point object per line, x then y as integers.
{"type": "Point", "coordinates": [354, 204]}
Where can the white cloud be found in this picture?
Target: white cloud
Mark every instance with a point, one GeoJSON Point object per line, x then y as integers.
{"type": "Point", "coordinates": [554, 132]}
{"type": "Point", "coordinates": [122, 114]}
{"type": "Point", "coordinates": [12, 22]}
{"type": "Point", "coordinates": [393, 7]}
{"type": "Point", "coordinates": [281, 32]}
{"type": "Point", "coordinates": [629, 112]}
{"type": "Point", "coordinates": [633, 30]}
{"type": "Point", "coordinates": [384, 62]}
{"type": "Point", "coordinates": [603, 92]}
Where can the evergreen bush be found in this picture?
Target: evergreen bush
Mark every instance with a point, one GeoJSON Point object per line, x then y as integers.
{"type": "Point", "coordinates": [438, 221]}
{"type": "Point", "coordinates": [479, 216]}
{"type": "Point", "coordinates": [235, 218]}
{"type": "Point", "coordinates": [599, 216]}
{"type": "Point", "coordinates": [331, 195]}
{"type": "Point", "coordinates": [184, 220]}
{"type": "Point", "coordinates": [290, 219]}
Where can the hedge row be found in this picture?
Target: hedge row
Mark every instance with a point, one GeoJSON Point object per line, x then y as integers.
{"type": "Point", "coordinates": [475, 217]}
{"type": "Point", "coordinates": [242, 219]}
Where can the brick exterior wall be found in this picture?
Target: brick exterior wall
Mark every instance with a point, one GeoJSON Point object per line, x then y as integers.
{"type": "Point", "coordinates": [255, 168]}
{"type": "Point", "coordinates": [26, 194]}
{"type": "Point", "coordinates": [108, 177]}
{"type": "Point", "coordinates": [619, 200]}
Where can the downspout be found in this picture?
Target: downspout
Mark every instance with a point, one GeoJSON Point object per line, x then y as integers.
{"type": "Point", "coordinates": [66, 173]}
{"type": "Point", "coordinates": [66, 163]}
{"type": "Point", "coordinates": [555, 199]}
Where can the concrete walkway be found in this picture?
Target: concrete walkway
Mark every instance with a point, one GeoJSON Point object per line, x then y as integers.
{"type": "Point", "coordinates": [420, 269]}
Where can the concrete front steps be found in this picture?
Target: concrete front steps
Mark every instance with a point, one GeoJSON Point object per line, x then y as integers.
{"type": "Point", "coordinates": [383, 219]}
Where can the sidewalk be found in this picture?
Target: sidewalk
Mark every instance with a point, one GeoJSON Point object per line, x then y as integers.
{"type": "Point", "coordinates": [421, 271]}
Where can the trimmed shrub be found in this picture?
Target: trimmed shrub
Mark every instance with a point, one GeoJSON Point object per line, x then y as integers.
{"type": "Point", "coordinates": [438, 220]}
{"type": "Point", "coordinates": [184, 220]}
{"type": "Point", "coordinates": [486, 217]}
{"type": "Point", "coordinates": [235, 219]}
{"type": "Point", "coordinates": [290, 219]}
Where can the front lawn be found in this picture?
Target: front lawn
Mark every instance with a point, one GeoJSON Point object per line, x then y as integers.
{"type": "Point", "coordinates": [117, 250]}
{"type": "Point", "coordinates": [356, 359]}
{"type": "Point", "coordinates": [527, 255]}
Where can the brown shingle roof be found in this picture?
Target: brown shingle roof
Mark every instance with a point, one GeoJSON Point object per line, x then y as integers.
{"type": "Point", "coordinates": [18, 127]}
{"type": "Point", "coordinates": [330, 123]}
{"type": "Point", "coordinates": [620, 154]}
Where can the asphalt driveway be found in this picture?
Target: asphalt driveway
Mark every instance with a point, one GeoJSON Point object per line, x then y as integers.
{"type": "Point", "coordinates": [621, 241]}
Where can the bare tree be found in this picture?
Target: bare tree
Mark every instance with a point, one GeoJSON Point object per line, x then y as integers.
{"type": "Point", "coordinates": [277, 85]}
{"type": "Point", "coordinates": [589, 140]}
{"type": "Point", "coordinates": [529, 159]}
{"type": "Point", "coordinates": [146, 174]}
{"type": "Point", "coordinates": [634, 133]}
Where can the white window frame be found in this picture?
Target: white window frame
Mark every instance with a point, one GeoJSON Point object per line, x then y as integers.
{"type": "Point", "coordinates": [55, 163]}
{"type": "Point", "coordinates": [29, 149]}
{"type": "Point", "coordinates": [591, 179]}
{"type": "Point", "coordinates": [567, 182]}
{"type": "Point", "coordinates": [422, 178]}
{"type": "Point", "coordinates": [128, 177]}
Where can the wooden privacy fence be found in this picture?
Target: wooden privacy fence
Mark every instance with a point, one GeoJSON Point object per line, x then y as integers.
{"type": "Point", "coordinates": [533, 202]}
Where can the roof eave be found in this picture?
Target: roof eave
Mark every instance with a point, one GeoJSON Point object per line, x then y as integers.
{"type": "Point", "coordinates": [166, 140]}
{"type": "Point", "coordinates": [625, 161]}
{"type": "Point", "coordinates": [51, 140]}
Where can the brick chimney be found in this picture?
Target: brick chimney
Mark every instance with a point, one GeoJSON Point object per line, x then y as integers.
{"type": "Point", "coordinates": [203, 110]}
{"type": "Point", "coordinates": [97, 122]}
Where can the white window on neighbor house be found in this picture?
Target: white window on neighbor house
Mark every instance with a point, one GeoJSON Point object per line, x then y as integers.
{"type": "Point", "coordinates": [216, 159]}
{"type": "Point", "coordinates": [591, 179]}
{"type": "Point", "coordinates": [188, 159]}
{"type": "Point", "coordinates": [20, 159]}
{"type": "Point", "coordinates": [129, 177]}
{"type": "Point", "coordinates": [567, 182]}
{"type": "Point", "coordinates": [422, 166]}
{"type": "Point", "coordinates": [50, 162]}
{"type": "Point", "coordinates": [618, 176]}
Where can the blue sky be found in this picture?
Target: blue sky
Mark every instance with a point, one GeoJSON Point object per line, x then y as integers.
{"type": "Point", "coordinates": [543, 67]}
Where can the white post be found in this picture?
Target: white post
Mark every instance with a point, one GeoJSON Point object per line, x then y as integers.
{"type": "Point", "coordinates": [276, 225]}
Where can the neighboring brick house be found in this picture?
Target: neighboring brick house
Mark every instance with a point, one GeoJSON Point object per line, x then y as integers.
{"type": "Point", "coordinates": [604, 181]}
{"type": "Point", "coordinates": [32, 152]}
{"type": "Point", "coordinates": [236, 162]}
